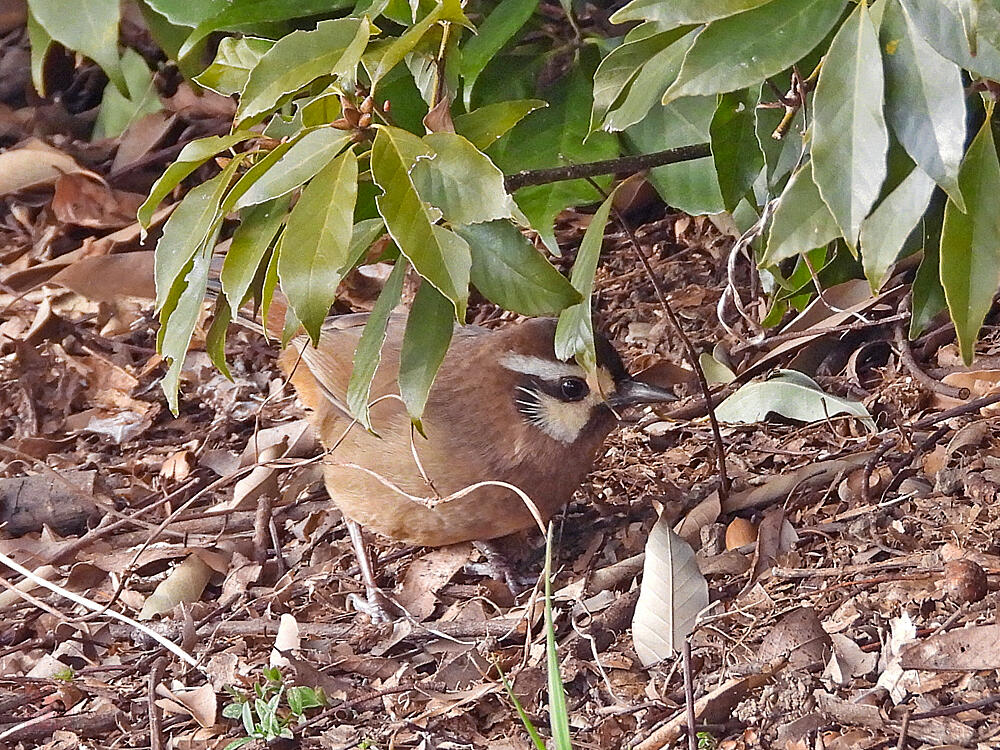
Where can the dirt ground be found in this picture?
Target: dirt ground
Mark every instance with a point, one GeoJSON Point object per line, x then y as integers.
{"type": "Point", "coordinates": [852, 570]}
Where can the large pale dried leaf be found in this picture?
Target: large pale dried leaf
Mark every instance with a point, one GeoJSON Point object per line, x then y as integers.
{"type": "Point", "coordinates": [704, 513]}
{"type": "Point", "coordinates": [34, 164]}
{"type": "Point", "coordinates": [427, 575]}
{"type": "Point", "coordinates": [800, 637]}
{"type": "Point", "coordinates": [673, 593]}
{"type": "Point", "coordinates": [199, 703]}
{"type": "Point", "coordinates": [968, 649]}
{"type": "Point", "coordinates": [88, 202]}
{"type": "Point", "coordinates": [185, 583]}
{"type": "Point", "coordinates": [778, 487]}
{"type": "Point", "coordinates": [110, 278]}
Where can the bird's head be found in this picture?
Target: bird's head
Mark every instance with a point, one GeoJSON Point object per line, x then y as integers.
{"type": "Point", "coordinates": [562, 399]}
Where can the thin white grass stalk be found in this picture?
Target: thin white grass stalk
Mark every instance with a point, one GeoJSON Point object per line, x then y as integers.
{"type": "Point", "coordinates": [95, 607]}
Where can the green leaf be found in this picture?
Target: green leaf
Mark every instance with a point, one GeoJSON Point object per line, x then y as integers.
{"type": "Point", "coordinates": [300, 163]}
{"type": "Point", "coordinates": [192, 156]}
{"type": "Point", "coordinates": [117, 112]}
{"type": "Point", "coordinates": [737, 154]}
{"type": "Point", "coordinates": [316, 241]}
{"type": "Point", "coordinates": [440, 256]}
{"type": "Point", "coordinates": [461, 181]}
{"type": "Point", "coordinates": [549, 138]}
{"type": "Point", "coordinates": [393, 53]}
{"type": "Point", "coordinates": [369, 351]}
{"type": "Point", "coordinates": [232, 710]}
{"type": "Point", "coordinates": [40, 42]}
{"type": "Point", "coordinates": [186, 13]}
{"type": "Point", "coordinates": [792, 395]}
{"type": "Point", "coordinates": [259, 11]}
{"type": "Point", "coordinates": [177, 324]}
{"type": "Point", "coordinates": [508, 270]}
{"type": "Point", "coordinates": [651, 81]}
{"type": "Point", "coordinates": [741, 50]}
{"type": "Point", "coordinates": [425, 342]}
{"type": "Point", "coordinates": [690, 186]}
{"type": "Point", "coordinates": [575, 329]}
{"type": "Point", "coordinates": [90, 28]}
{"type": "Point", "coordinates": [498, 28]}
{"type": "Point", "coordinates": [940, 24]}
{"type": "Point", "coordinates": [253, 237]}
{"type": "Point", "coordinates": [234, 60]}
{"type": "Point", "coordinates": [619, 68]}
{"type": "Point", "coordinates": [925, 100]}
{"type": "Point", "coordinates": [187, 229]}
{"type": "Point", "coordinates": [485, 125]}
{"type": "Point", "coordinates": [333, 48]}
{"type": "Point", "coordinates": [891, 223]}
{"type": "Point", "coordinates": [558, 713]}
{"type": "Point", "coordinates": [850, 137]}
{"type": "Point", "coordinates": [215, 339]}
{"type": "Point", "coordinates": [678, 12]}
{"type": "Point", "coordinates": [259, 170]}
{"type": "Point", "coordinates": [970, 255]}
{"type": "Point", "coordinates": [529, 727]}
{"type": "Point", "coordinates": [926, 295]}
{"type": "Point", "coordinates": [802, 221]}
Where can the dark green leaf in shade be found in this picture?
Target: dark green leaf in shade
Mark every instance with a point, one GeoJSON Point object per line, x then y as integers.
{"type": "Point", "coordinates": [801, 222]}
{"type": "Point", "coordinates": [305, 158]}
{"type": "Point", "coordinates": [850, 135]}
{"type": "Point", "coordinates": [737, 155]}
{"type": "Point", "coordinates": [258, 227]}
{"type": "Point", "coordinates": [40, 42]}
{"type": "Point", "coordinates": [90, 28]}
{"type": "Point", "coordinates": [927, 296]}
{"type": "Point", "coordinates": [425, 342]}
{"type": "Point", "coordinates": [192, 156]}
{"type": "Point", "coordinates": [215, 339]}
{"type": "Point", "coordinates": [485, 125]}
{"type": "Point", "coordinates": [333, 48]}
{"type": "Point", "coordinates": [439, 255]}
{"type": "Point", "coordinates": [575, 329]}
{"type": "Point", "coordinates": [925, 100]}
{"type": "Point", "coordinates": [970, 253]}
{"type": "Point", "coordinates": [187, 230]}
{"type": "Point", "coordinates": [235, 58]}
{"type": "Point", "coordinates": [117, 111]}
{"type": "Point", "coordinates": [316, 241]}
{"type": "Point", "coordinates": [369, 351]}
{"type": "Point", "coordinates": [508, 270]}
{"type": "Point", "coordinates": [498, 28]}
{"type": "Point", "coordinates": [678, 12]}
{"type": "Point", "coordinates": [741, 50]}
{"type": "Point", "coordinates": [177, 322]}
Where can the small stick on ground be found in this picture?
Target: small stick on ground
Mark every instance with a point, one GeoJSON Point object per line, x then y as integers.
{"type": "Point", "coordinates": [903, 731]}
{"type": "Point", "coordinates": [155, 712]}
{"type": "Point", "coordinates": [910, 362]}
{"type": "Point", "coordinates": [689, 695]}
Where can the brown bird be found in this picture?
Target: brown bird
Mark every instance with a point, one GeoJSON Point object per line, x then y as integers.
{"type": "Point", "coordinates": [503, 408]}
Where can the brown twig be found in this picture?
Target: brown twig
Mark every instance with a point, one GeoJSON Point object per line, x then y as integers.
{"type": "Point", "coordinates": [956, 411]}
{"type": "Point", "coordinates": [155, 712]}
{"type": "Point", "coordinates": [957, 709]}
{"type": "Point", "coordinates": [783, 337]}
{"type": "Point", "coordinates": [903, 731]}
{"type": "Point", "coordinates": [910, 362]}
{"type": "Point", "coordinates": [622, 165]}
{"type": "Point", "coordinates": [689, 694]}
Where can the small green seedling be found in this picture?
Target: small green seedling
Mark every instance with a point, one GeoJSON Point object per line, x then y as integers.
{"type": "Point", "coordinates": [261, 710]}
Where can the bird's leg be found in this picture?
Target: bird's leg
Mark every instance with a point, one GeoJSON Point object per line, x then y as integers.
{"type": "Point", "coordinates": [377, 605]}
{"type": "Point", "coordinates": [501, 565]}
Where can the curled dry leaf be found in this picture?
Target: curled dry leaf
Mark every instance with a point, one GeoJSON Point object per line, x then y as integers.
{"type": "Point", "coordinates": [199, 703]}
{"type": "Point", "coordinates": [848, 661]}
{"type": "Point", "coordinates": [979, 382]}
{"type": "Point", "coordinates": [799, 637]}
{"type": "Point", "coordinates": [34, 164]}
{"type": "Point", "coordinates": [286, 640]}
{"type": "Point", "coordinates": [704, 513]}
{"type": "Point", "coordinates": [969, 649]}
{"type": "Point", "coordinates": [777, 488]}
{"type": "Point", "coordinates": [86, 201]}
{"type": "Point", "coordinates": [427, 575]}
{"type": "Point", "coordinates": [893, 678]}
{"type": "Point", "coordinates": [740, 532]}
{"type": "Point", "coordinates": [673, 593]}
{"type": "Point", "coordinates": [185, 583]}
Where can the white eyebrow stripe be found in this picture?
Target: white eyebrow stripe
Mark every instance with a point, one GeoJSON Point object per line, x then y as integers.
{"type": "Point", "coordinates": [546, 369]}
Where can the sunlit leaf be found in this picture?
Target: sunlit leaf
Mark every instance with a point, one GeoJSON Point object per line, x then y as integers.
{"type": "Point", "coordinates": [493, 33]}
{"type": "Point", "coordinates": [234, 59]}
{"type": "Point", "coordinates": [484, 125]}
{"type": "Point", "coordinates": [801, 222]}
{"type": "Point", "coordinates": [678, 12]}
{"type": "Point", "coordinates": [253, 237]}
{"type": "Point", "coordinates": [90, 29]}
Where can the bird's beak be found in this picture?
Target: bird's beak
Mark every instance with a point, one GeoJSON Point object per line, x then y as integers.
{"type": "Point", "coordinates": [631, 392]}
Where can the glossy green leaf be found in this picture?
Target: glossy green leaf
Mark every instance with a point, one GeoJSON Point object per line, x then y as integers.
{"type": "Point", "coordinates": [234, 59]}
{"type": "Point", "coordinates": [186, 13]}
{"type": "Point", "coordinates": [850, 136]}
{"type": "Point", "coordinates": [461, 181]}
{"type": "Point", "coordinates": [439, 255]}
{"type": "Point", "coordinates": [498, 28]}
{"type": "Point", "coordinates": [508, 270]}
{"type": "Point", "coordinates": [363, 235]}
{"type": "Point", "coordinates": [333, 48]}
{"type": "Point", "coordinates": [118, 112]}
{"type": "Point", "coordinates": [970, 254]}
{"type": "Point", "coordinates": [940, 24]}
{"type": "Point", "coordinates": [315, 244]}
{"type": "Point", "coordinates": [369, 352]}
{"type": "Point", "coordinates": [678, 12]}
{"type": "Point", "coordinates": [321, 109]}
{"type": "Point", "coordinates": [737, 155]}
{"type": "Point", "coordinates": [215, 338]}
{"type": "Point", "coordinates": [690, 186]}
{"type": "Point", "coordinates": [192, 156]}
{"type": "Point", "coordinates": [891, 223]}
{"type": "Point", "coordinates": [90, 28]}
{"type": "Point", "coordinates": [177, 323]}
{"type": "Point", "coordinates": [619, 68]}
{"type": "Point", "coordinates": [652, 80]}
{"type": "Point", "coordinates": [296, 166]}
{"type": "Point", "coordinates": [394, 52]}
{"type": "Point", "coordinates": [187, 230]}
{"type": "Point", "coordinates": [485, 125]}
{"type": "Point", "coordinates": [925, 100]}
{"type": "Point", "coordinates": [801, 222]}
{"type": "Point", "coordinates": [425, 342]}
{"type": "Point", "coordinates": [926, 295]}
{"type": "Point", "coordinates": [253, 237]}
{"type": "Point", "coordinates": [575, 329]}
{"type": "Point", "coordinates": [549, 138]}
{"type": "Point", "coordinates": [40, 42]}
{"type": "Point", "coordinates": [239, 14]}
{"type": "Point", "coordinates": [741, 50]}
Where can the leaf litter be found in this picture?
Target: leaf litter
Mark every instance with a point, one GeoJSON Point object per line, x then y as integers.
{"type": "Point", "coordinates": [834, 616]}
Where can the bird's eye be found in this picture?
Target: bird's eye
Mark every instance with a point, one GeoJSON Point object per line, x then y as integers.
{"type": "Point", "coordinates": [573, 389]}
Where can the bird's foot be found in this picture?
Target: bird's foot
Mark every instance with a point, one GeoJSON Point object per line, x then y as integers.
{"type": "Point", "coordinates": [376, 604]}
{"type": "Point", "coordinates": [500, 567]}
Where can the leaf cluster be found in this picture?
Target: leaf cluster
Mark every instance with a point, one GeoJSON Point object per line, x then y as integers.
{"type": "Point", "coordinates": [261, 710]}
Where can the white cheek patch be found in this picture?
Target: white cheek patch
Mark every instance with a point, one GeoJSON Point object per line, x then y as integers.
{"type": "Point", "coordinates": [546, 369]}
{"type": "Point", "coordinates": [563, 421]}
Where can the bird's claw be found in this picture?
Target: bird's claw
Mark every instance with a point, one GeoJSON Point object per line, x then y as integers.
{"type": "Point", "coordinates": [376, 604]}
